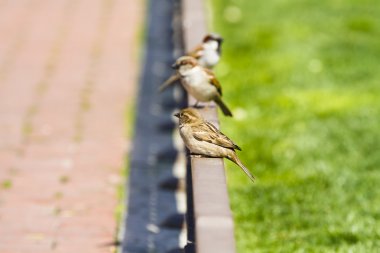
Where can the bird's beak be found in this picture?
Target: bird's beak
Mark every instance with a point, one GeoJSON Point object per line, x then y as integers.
{"type": "Point", "coordinates": [175, 66]}
{"type": "Point", "coordinates": [177, 114]}
{"type": "Point", "coordinates": [220, 40]}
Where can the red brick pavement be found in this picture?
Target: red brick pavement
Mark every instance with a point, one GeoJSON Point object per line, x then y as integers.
{"type": "Point", "coordinates": [67, 71]}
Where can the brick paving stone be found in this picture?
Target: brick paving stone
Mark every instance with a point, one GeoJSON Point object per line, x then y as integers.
{"type": "Point", "coordinates": [17, 85]}
{"type": "Point", "coordinates": [68, 69]}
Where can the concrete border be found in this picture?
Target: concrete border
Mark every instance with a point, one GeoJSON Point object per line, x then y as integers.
{"type": "Point", "coordinates": [214, 227]}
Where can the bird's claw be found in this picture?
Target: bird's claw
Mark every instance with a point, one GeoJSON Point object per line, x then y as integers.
{"type": "Point", "coordinates": [195, 156]}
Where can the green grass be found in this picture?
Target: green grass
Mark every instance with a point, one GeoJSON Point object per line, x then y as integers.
{"type": "Point", "coordinates": [6, 184]}
{"type": "Point", "coordinates": [303, 80]}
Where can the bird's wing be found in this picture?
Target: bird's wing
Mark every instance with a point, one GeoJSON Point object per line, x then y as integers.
{"type": "Point", "coordinates": [209, 133]}
{"type": "Point", "coordinates": [213, 80]}
{"type": "Point", "coordinates": [196, 52]}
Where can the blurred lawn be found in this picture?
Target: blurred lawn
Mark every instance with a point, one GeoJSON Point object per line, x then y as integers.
{"type": "Point", "coordinates": [303, 79]}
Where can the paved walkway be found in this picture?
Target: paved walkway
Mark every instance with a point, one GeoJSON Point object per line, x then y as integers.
{"type": "Point", "coordinates": [67, 72]}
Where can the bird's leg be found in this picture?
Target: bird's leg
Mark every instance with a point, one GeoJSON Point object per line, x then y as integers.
{"type": "Point", "coordinates": [196, 104]}
{"type": "Point", "coordinates": [195, 155]}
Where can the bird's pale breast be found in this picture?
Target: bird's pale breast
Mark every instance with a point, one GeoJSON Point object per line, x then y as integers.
{"type": "Point", "coordinates": [197, 84]}
{"type": "Point", "coordinates": [210, 58]}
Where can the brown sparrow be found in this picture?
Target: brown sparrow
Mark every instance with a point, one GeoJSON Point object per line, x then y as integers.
{"type": "Point", "coordinates": [207, 55]}
{"type": "Point", "coordinates": [203, 138]}
{"type": "Point", "coordinates": [200, 82]}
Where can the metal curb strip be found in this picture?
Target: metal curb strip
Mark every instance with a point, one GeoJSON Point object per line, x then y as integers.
{"type": "Point", "coordinates": [154, 221]}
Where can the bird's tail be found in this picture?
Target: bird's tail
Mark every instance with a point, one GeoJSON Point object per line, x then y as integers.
{"type": "Point", "coordinates": [223, 106]}
{"type": "Point", "coordinates": [172, 79]}
{"type": "Point", "coordinates": [236, 160]}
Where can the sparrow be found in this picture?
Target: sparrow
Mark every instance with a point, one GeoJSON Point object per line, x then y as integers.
{"type": "Point", "coordinates": [207, 54]}
{"type": "Point", "coordinates": [203, 138]}
{"type": "Point", "coordinates": [200, 82]}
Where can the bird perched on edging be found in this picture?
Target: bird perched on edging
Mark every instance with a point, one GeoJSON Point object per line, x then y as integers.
{"type": "Point", "coordinates": [209, 51]}
{"type": "Point", "coordinates": [203, 138]}
{"type": "Point", "coordinates": [200, 82]}
{"type": "Point", "coordinates": [207, 54]}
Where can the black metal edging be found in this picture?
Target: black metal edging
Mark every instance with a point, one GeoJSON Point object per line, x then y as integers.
{"type": "Point", "coordinates": [153, 223]}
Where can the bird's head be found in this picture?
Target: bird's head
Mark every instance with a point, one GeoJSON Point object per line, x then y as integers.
{"type": "Point", "coordinates": [213, 37]}
{"type": "Point", "coordinates": [212, 41]}
{"type": "Point", "coordinates": [184, 64]}
{"type": "Point", "coordinates": [188, 115]}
